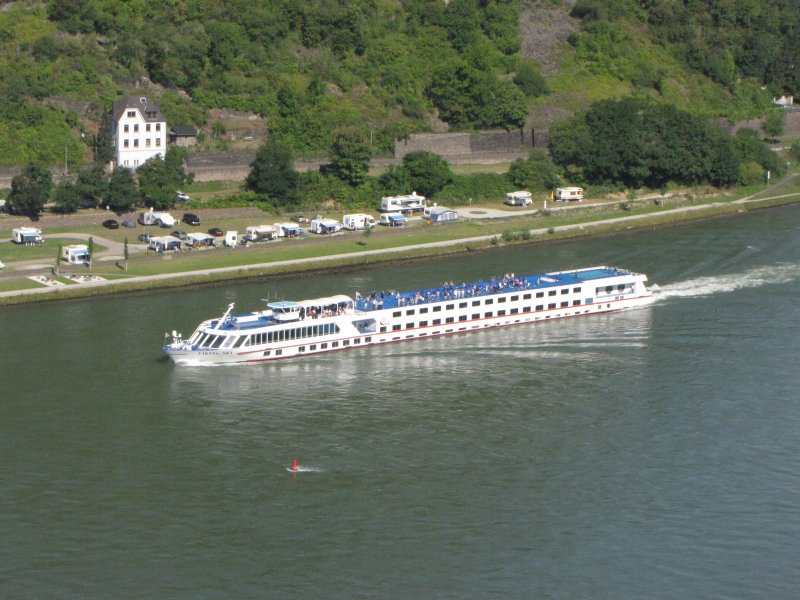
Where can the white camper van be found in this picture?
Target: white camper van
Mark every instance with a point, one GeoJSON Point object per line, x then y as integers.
{"type": "Point", "coordinates": [358, 221]}
{"type": "Point", "coordinates": [75, 254]}
{"type": "Point", "coordinates": [571, 194]}
{"type": "Point", "coordinates": [520, 198]}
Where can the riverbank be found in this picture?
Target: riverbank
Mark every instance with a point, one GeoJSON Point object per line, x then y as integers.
{"type": "Point", "coordinates": [646, 213]}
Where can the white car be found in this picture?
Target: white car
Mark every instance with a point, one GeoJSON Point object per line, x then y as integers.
{"type": "Point", "coordinates": [2, 266]}
{"type": "Point", "coordinates": [183, 196]}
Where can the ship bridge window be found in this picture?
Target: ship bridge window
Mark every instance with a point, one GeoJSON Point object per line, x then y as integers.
{"type": "Point", "coordinates": [218, 342]}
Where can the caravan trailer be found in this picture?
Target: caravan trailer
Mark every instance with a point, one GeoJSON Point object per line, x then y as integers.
{"type": "Point", "coordinates": [358, 221]}
{"type": "Point", "coordinates": [27, 235]}
{"type": "Point", "coordinates": [76, 254]}
{"type": "Point", "coordinates": [260, 233]}
{"type": "Point", "coordinates": [325, 226]}
{"type": "Point", "coordinates": [572, 194]}
{"type": "Point", "coordinates": [411, 202]}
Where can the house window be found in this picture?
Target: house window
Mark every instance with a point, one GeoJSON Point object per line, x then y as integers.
{"type": "Point", "coordinates": [158, 126]}
{"type": "Point", "coordinates": [136, 143]}
{"type": "Point", "coordinates": [158, 142]}
{"type": "Point", "coordinates": [125, 128]}
{"type": "Point", "coordinates": [136, 128]}
{"type": "Point", "coordinates": [131, 114]}
{"type": "Point", "coordinates": [125, 144]}
{"type": "Point", "coordinates": [147, 127]}
{"type": "Point", "coordinates": [147, 142]}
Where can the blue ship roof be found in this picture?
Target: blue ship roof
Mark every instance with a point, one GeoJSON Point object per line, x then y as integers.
{"type": "Point", "coordinates": [508, 283]}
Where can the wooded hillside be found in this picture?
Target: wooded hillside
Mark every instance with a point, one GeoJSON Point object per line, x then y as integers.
{"type": "Point", "coordinates": [309, 67]}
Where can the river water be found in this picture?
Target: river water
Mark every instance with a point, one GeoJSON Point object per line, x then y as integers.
{"type": "Point", "coordinates": [646, 454]}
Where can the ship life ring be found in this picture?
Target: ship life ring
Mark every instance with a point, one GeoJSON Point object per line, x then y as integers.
{"type": "Point", "coordinates": [385, 321]}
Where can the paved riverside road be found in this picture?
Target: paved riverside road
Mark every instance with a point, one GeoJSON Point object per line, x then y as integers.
{"type": "Point", "coordinates": [746, 201]}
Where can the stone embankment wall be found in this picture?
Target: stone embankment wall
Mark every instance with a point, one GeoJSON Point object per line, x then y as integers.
{"type": "Point", "coordinates": [455, 146]}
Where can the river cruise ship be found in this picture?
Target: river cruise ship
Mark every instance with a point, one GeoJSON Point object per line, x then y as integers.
{"type": "Point", "coordinates": [292, 329]}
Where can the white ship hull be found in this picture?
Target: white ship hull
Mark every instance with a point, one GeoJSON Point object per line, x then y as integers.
{"type": "Point", "coordinates": [291, 330]}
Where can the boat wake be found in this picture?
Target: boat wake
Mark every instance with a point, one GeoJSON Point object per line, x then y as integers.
{"type": "Point", "coordinates": [707, 286]}
{"type": "Point", "coordinates": [300, 469]}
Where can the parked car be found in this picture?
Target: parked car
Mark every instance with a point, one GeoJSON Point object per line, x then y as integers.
{"type": "Point", "coordinates": [191, 219]}
{"type": "Point", "coordinates": [181, 235]}
{"type": "Point", "coordinates": [145, 237]}
{"type": "Point", "coordinates": [111, 224]}
{"type": "Point", "coordinates": [299, 219]}
{"type": "Point", "coordinates": [216, 232]}
{"type": "Point", "coordinates": [128, 223]}
{"type": "Point", "coordinates": [182, 196]}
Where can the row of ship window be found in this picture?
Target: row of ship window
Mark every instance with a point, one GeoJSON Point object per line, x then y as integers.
{"type": "Point", "coordinates": [488, 301]}
{"type": "Point", "coordinates": [256, 339]}
{"type": "Point", "coordinates": [323, 346]}
{"type": "Point", "coordinates": [488, 314]}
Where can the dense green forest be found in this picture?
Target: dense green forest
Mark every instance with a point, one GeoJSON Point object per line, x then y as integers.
{"type": "Point", "coordinates": [311, 67]}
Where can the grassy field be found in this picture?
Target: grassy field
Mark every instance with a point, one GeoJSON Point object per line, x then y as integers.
{"type": "Point", "coordinates": [261, 258]}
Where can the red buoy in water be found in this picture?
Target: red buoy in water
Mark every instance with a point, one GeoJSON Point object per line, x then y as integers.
{"type": "Point", "coordinates": [294, 465]}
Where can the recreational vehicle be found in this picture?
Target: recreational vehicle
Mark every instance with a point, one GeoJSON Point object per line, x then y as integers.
{"type": "Point", "coordinates": [402, 203]}
{"type": "Point", "coordinates": [521, 198]}
{"type": "Point", "coordinates": [75, 254]}
{"type": "Point", "coordinates": [260, 233]}
{"type": "Point", "coordinates": [358, 221]}
{"type": "Point", "coordinates": [27, 235]}
{"type": "Point", "coordinates": [231, 239]}
{"type": "Point", "coordinates": [325, 226]}
{"type": "Point", "coordinates": [569, 194]}
{"type": "Point", "coordinates": [393, 219]}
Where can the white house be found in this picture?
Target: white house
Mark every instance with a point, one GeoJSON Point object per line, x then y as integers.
{"type": "Point", "coordinates": [139, 131]}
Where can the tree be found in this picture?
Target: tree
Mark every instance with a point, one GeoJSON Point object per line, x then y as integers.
{"type": "Point", "coordinates": [30, 190]}
{"type": "Point", "coordinates": [122, 191]}
{"type": "Point", "coordinates": [92, 183]}
{"type": "Point", "coordinates": [426, 172]}
{"type": "Point", "coordinates": [774, 124]}
{"type": "Point", "coordinates": [67, 197]}
{"type": "Point", "coordinates": [90, 250]}
{"type": "Point", "coordinates": [272, 175]}
{"type": "Point", "coordinates": [536, 173]}
{"type": "Point", "coordinates": [157, 184]}
{"type": "Point", "coordinates": [529, 79]}
{"type": "Point", "coordinates": [350, 155]}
